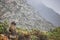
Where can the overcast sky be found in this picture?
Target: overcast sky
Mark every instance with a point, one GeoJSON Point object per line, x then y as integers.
{"type": "Point", "coordinates": [48, 9]}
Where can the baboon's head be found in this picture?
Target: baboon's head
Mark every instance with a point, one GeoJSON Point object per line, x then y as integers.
{"type": "Point", "coordinates": [13, 24]}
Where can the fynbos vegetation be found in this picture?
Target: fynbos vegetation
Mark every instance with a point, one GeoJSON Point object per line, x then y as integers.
{"type": "Point", "coordinates": [33, 34]}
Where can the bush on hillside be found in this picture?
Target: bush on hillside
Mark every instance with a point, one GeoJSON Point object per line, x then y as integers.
{"type": "Point", "coordinates": [3, 27]}
{"type": "Point", "coordinates": [55, 34]}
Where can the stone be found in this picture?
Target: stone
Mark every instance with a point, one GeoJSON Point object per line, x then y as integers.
{"type": "Point", "coordinates": [25, 16]}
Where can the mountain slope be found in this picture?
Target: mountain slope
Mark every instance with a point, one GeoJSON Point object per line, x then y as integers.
{"type": "Point", "coordinates": [49, 14]}
{"type": "Point", "coordinates": [24, 15]}
{"type": "Point", "coordinates": [45, 11]}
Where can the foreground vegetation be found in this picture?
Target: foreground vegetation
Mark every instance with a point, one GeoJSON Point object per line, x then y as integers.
{"type": "Point", "coordinates": [55, 34]}
{"type": "Point", "coordinates": [32, 34]}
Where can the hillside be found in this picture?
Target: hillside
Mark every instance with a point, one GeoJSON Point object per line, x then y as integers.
{"type": "Point", "coordinates": [24, 15]}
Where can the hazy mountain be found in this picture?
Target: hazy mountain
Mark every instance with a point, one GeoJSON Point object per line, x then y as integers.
{"type": "Point", "coordinates": [24, 15]}
{"type": "Point", "coordinates": [49, 14]}
{"type": "Point", "coordinates": [46, 12]}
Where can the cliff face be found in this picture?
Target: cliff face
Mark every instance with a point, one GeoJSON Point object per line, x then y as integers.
{"type": "Point", "coordinates": [24, 15]}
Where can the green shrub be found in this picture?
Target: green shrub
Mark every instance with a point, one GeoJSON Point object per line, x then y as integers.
{"type": "Point", "coordinates": [55, 34]}
{"type": "Point", "coordinates": [3, 27]}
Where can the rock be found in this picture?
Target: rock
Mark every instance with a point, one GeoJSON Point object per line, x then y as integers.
{"type": "Point", "coordinates": [24, 15]}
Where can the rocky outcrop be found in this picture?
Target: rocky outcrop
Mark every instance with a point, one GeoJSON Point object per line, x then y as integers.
{"type": "Point", "coordinates": [24, 15]}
